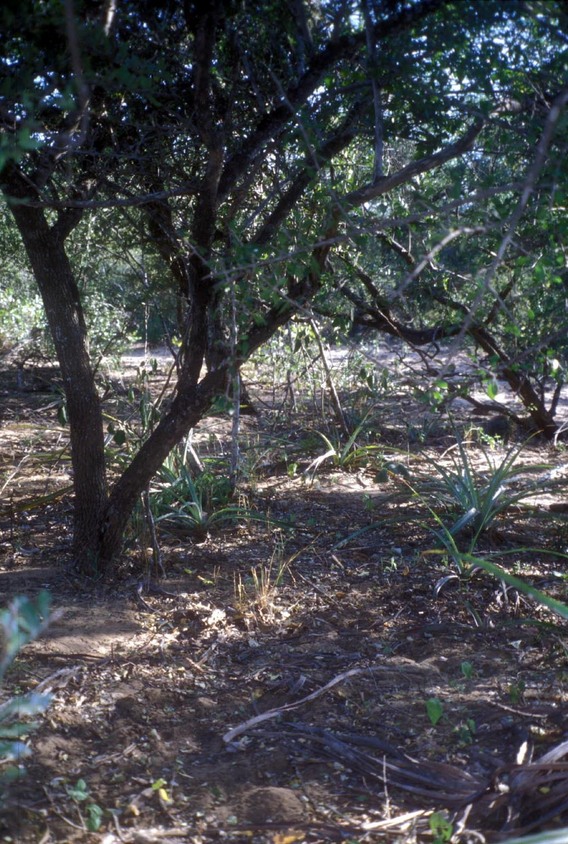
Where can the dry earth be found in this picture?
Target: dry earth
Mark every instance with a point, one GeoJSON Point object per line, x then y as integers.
{"type": "Point", "coordinates": [278, 692]}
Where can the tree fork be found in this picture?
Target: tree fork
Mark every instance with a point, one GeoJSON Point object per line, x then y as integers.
{"type": "Point", "coordinates": [187, 409]}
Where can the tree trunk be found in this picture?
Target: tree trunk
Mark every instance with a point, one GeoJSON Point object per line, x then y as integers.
{"type": "Point", "coordinates": [187, 409]}
{"type": "Point", "coordinates": [541, 418]}
{"type": "Point", "coordinates": [44, 245]}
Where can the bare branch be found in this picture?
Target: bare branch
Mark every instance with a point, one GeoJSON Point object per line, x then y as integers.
{"type": "Point", "coordinates": [305, 44]}
{"type": "Point", "coordinates": [377, 102]}
{"type": "Point", "coordinates": [415, 168]}
{"type": "Point", "coordinates": [528, 187]}
{"type": "Point", "coordinates": [323, 155]}
{"type": "Point", "coordinates": [110, 12]}
{"type": "Point", "coordinates": [429, 257]}
{"type": "Point", "coordinates": [189, 189]}
{"type": "Point", "coordinates": [273, 123]}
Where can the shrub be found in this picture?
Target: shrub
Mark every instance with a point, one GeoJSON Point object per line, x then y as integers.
{"type": "Point", "coordinates": [23, 621]}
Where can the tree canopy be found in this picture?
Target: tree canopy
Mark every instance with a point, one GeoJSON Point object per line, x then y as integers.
{"type": "Point", "coordinates": [402, 161]}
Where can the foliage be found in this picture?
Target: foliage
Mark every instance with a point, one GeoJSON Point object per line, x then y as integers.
{"type": "Point", "coordinates": [240, 165]}
{"type": "Point", "coordinates": [468, 564]}
{"type": "Point", "coordinates": [557, 607]}
{"type": "Point", "coordinates": [23, 325]}
{"type": "Point", "coordinates": [179, 499]}
{"type": "Point", "coordinates": [441, 827]}
{"type": "Point", "coordinates": [194, 501]}
{"type": "Point", "coordinates": [22, 320]}
{"type": "Point", "coordinates": [435, 710]}
{"type": "Point", "coordinates": [479, 498]}
{"type": "Point", "coordinates": [473, 499]}
{"type": "Point", "coordinates": [22, 622]}
{"type": "Point", "coordinates": [90, 812]}
{"type": "Point", "coordinates": [345, 455]}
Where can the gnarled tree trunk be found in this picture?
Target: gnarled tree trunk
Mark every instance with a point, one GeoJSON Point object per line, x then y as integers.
{"type": "Point", "coordinates": [45, 247]}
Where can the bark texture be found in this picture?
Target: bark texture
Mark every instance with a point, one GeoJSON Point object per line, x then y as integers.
{"type": "Point", "coordinates": [45, 247]}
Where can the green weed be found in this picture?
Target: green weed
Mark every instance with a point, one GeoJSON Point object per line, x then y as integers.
{"type": "Point", "coordinates": [90, 813]}
{"type": "Point", "coordinates": [441, 828]}
{"type": "Point", "coordinates": [344, 455]}
{"type": "Point", "coordinates": [467, 670]}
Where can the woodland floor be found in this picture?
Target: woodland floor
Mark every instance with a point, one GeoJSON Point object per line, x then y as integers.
{"type": "Point", "coordinates": [334, 592]}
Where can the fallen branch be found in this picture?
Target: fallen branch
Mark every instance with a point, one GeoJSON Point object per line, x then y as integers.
{"type": "Point", "coordinates": [289, 707]}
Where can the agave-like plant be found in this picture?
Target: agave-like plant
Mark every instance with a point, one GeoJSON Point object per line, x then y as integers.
{"type": "Point", "coordinates": [344, 455]}
{"type": "Point", "coordinates": [471, 500]}
{"type": "Point", "coordinates": [181, 501]}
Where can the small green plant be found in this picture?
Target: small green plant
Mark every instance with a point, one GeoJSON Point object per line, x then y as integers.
{"type": "Point", "coordinates": [347, 455]}
{"type": "Point", "coordinates": [194, 504]}
{"type": "Point", "coordinates": [468, 564]}
{"type": "Point", "coordinates": [466, 732]}
{"type": "Point", "coordinates": [435, 710]}
{"type": "Point", "coordinates": [440, 827]}
{"type": "Point", "coordinates": [90, 812]}
{"type": "Point", "coordinates": [516, 692]}
{"type": "Point", "coordinates": [22, 622]}
{"type": "Point", "coordinates": [471, 500]}
{"type": "Point", "coordinates": [265, 580]}
{"type": "Point", "coordinates": [177, 489]}
{"type": "Point", "coordinates": [159, 786]}
{"type": "Point", "coordinates": [467, 669]}
{"type": "Point", "coordinates": [194, 501]}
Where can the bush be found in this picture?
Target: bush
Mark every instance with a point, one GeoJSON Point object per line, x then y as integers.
{"type": "Point", "coordinates": [22, 622]}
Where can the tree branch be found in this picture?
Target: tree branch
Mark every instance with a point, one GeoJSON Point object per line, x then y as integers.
{"type": "Point", "coordinates": [377, 103]}
{"type": "Point", "coordinates": [528, 187]}
{"type": "Point", "coordinates": [273, 123]}
{"type": "Point", "coordinates": [324, 154]}
{"type": "Point", "coordinates": [415, 168]}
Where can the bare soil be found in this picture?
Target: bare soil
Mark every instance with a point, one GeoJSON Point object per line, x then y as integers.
{"type": "Point", "coordinates": [279, 689]}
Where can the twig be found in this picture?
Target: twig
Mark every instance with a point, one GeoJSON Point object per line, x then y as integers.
{"type": "Point", "coordinates": [288, 707]}
{"type": "Point", "coordinates": [235, 384]}
{"type": "Point", "coordinates": [156, 553]}
{"type": "Point", "coordinates": [372, 66]}
{"type": "Point", "coordinates": [528, 188]}
{"type": "Point", "coordinates": [329, 379]}
{"type": "Point", "coordinates": [368, 826]}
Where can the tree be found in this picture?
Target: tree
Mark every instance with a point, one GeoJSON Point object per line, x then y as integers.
{"type": "Point", "coordinates": [510, 304]}
{"type": "Point", "coordinates": [245, 142]}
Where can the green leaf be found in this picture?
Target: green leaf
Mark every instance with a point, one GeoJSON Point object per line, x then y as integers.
{"type": "Point", "coordinates": [435, 710]}
{"type": "Point", "coordinates": [552, 604]}
{"type": "Point", "coordinates": [492, 389]}
{"type": "Point", "coordinates": [94, 817]}
{"type": "Point", "coordinates": [62, 417]}
{"type": "Point", "coordinates": [78, 792]}
{"type": "Point", "coordinates": [441, 828]}
{"type": "Point", "coordinates": [467, 669]}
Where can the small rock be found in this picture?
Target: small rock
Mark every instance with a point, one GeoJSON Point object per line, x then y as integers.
{"type": "Point", "coordinates": [272, 804]}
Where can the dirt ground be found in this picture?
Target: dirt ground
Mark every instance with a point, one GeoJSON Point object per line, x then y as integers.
{"type": "Point", "coordinates": [319, 675]}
